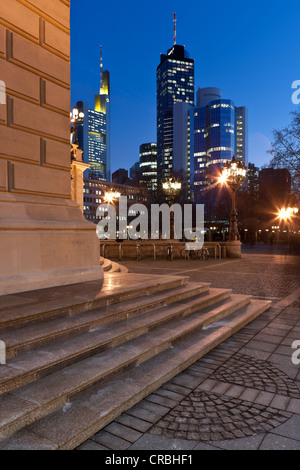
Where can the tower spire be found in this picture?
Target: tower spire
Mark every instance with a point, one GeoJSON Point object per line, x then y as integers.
{"type": "Point", "coordinates": [101, 68]}
{"type": "Point", "coordinates": [174, 20]}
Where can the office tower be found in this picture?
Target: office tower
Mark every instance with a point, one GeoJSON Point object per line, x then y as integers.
{"type": "Point", "coordinates": [148, 165]}
{"type": "Point", "coordinates": [242, 134]}
{"type": "Point", "coordinates": [134, 171]}
{"type": "Point", "coordinates": [183, 147]}
{"type": "Point", "coordinates": [174, 84]}
{"type": "Point", "coordinates": [94, 132]}
{"type": "Point", "coordinates": [215, 140]}
{"type": "Point", "coordinates": [252, 181]}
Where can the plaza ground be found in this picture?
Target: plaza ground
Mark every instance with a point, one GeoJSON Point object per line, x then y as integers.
{"type": "Point", "coordinates": [245, 393]}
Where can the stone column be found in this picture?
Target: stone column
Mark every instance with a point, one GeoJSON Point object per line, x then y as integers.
{"type": "Point", "coordinates": [44, 239]}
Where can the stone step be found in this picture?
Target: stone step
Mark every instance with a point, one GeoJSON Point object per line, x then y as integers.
{"type": "Point", "coordinates": [34, 365]}
{"type": "Point", "coordinates": [123, 269]}
{"type": "Point", "coordinates": [37, 335]}
{"type": "Point", "coordinates": [74, 419]}
{"type": "Point", "coordinates": [107, 265]}
{"type": "Point", "coordinates": [57, 389]}
{"type": "Point", "coordinates": [115, 267]}
{"type": "Point", "coordinates": [42, 305]}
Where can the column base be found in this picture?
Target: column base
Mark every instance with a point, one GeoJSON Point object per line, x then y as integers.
{"type": "Point", "coordinates": [234, 249]}
{"type": "Point", "coordinates": [43, 280]}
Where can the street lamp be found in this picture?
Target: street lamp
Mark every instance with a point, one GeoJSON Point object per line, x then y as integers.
{"type": "Point", "coordinates": [111, 196]}
{"type": "Point", "coordinates": [171, 187]}
{"type": "Point", "coordinates": [233, 174]}
{"type": "Point", "coordinates": [286, 215]}
{"type": "Point", "coordinates": [76, 118]}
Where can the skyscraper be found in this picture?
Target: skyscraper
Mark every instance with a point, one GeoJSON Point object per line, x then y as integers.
{"type": "Point", "coordinates": [148, 165]}
{"type": "Point", "coordinates": [174, 84]}
{"type": "Point", "coordinates": [94, 132]}
{"type": "Point", "coordinates": [219, 132]}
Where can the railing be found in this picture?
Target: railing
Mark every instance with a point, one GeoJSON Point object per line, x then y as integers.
{"type": "Point", "coordinates": [153, 249]}
{"type": "Point", "coordinates": [120, 252]}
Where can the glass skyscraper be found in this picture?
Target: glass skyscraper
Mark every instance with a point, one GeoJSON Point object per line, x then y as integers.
{"type": "Point", "coordinates": [148, 165]}
{"type": "Point", "coordinates": [219, 133]}
{"type": "Point", "coordinates": [174, 84]}
{"type": "Point", "coordinates": [94, 133]}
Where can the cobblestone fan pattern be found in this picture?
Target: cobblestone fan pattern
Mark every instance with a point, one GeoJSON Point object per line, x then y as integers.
{"type": "Point", "coordinates": [254, 373]}
{"type": "Point", "coordinates": [210, 417]}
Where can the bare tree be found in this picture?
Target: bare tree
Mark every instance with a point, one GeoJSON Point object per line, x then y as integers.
{"type": "Point", "coordinates": [286, 150]}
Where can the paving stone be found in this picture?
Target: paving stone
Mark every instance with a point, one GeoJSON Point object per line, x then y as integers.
{"type": "Point", "coordinates": [235, 391]}
{"type": "Point", "coordinates": [186, 380]}
{"type": "Point", "coordinates": [249, 394]}
{"type": "Point", "coordinates": [167, 402]}
{"type": "Point", "coordinates": [264, 398]}
{"type": "Point", "coordinates": [170, 394]}
{"type": "Point", "coordinates": [275, 442]}
{"type": "Point", "coordinates": [290, 428]}
{"type": "Point", "coordinates": [122, 431]}
{"type": "Point", "coordinates": [280, 402]}
{"type": "Point", "coordinates": [110, 441]}
{"type": "Point", "coordinates": [144, 415]}
{"type": "Point", "coordinates": [207, 385]}
{"type": "Point", "coordinates": [294, 406]}
{"type": "Point", "coordinates": [221, 388]}
{"type": "Point", "coordinates": [134, 422]}
{"type": "Point", "coordinates": [91, 445]}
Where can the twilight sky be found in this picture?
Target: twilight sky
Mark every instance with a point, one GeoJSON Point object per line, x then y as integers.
{"type": "Point", "coordinates": [249, 49]}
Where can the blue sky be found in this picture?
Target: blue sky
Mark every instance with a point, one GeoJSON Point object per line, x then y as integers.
{"type": "Point", "coordinates": [248, 49]}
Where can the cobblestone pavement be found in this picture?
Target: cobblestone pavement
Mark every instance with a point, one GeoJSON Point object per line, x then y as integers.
{"type": "Point", "coordinates": [242, 395]}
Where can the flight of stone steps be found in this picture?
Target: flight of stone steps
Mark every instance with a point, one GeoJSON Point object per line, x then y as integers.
{"type": "Point", "coordinates": [112, 266]}
{"type": "Point", "coordinates": [75, 364]}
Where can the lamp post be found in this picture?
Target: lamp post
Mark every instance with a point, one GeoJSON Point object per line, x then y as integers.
{"type": "Point", "coordinates": [76, 117]}
{"type": "Point", "coordinates": [171, 187]}
{"type": "Point", "coordinates": [233, 174]}
{"type": "Point", "coordinates": [286, 215]}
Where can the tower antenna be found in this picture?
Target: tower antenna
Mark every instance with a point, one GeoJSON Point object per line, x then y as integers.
{"type": "Point", "coordinates": [101, 68]}
{"type": "Point", "coordinates": [174, 20]}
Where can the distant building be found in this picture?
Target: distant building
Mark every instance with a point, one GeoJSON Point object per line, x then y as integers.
{"type": "Point", "coordinates": [148, 165]}
{"type": "Point", "coordinates": [275, 187]}
{"type": "Point", "coordinates": [134, 171]}
{"type": "Point", "coordinates": [242, 134]}
{"type": "Point", "coordinates": [252, 181]}
{"type": "Point", "coordinates": [120, 176]}
{"type": "Point", "coordinates": [95, 191]}
{"type": "Point", "coordinates": [94, 132]}
{"type": "Point", "coordinates": [174, 84]}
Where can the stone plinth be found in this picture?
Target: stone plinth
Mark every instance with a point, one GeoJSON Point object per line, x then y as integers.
{"type": "Point", "coordinates": [44, 238]}
{"type": "Point", "coordinates": [234, 249]}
